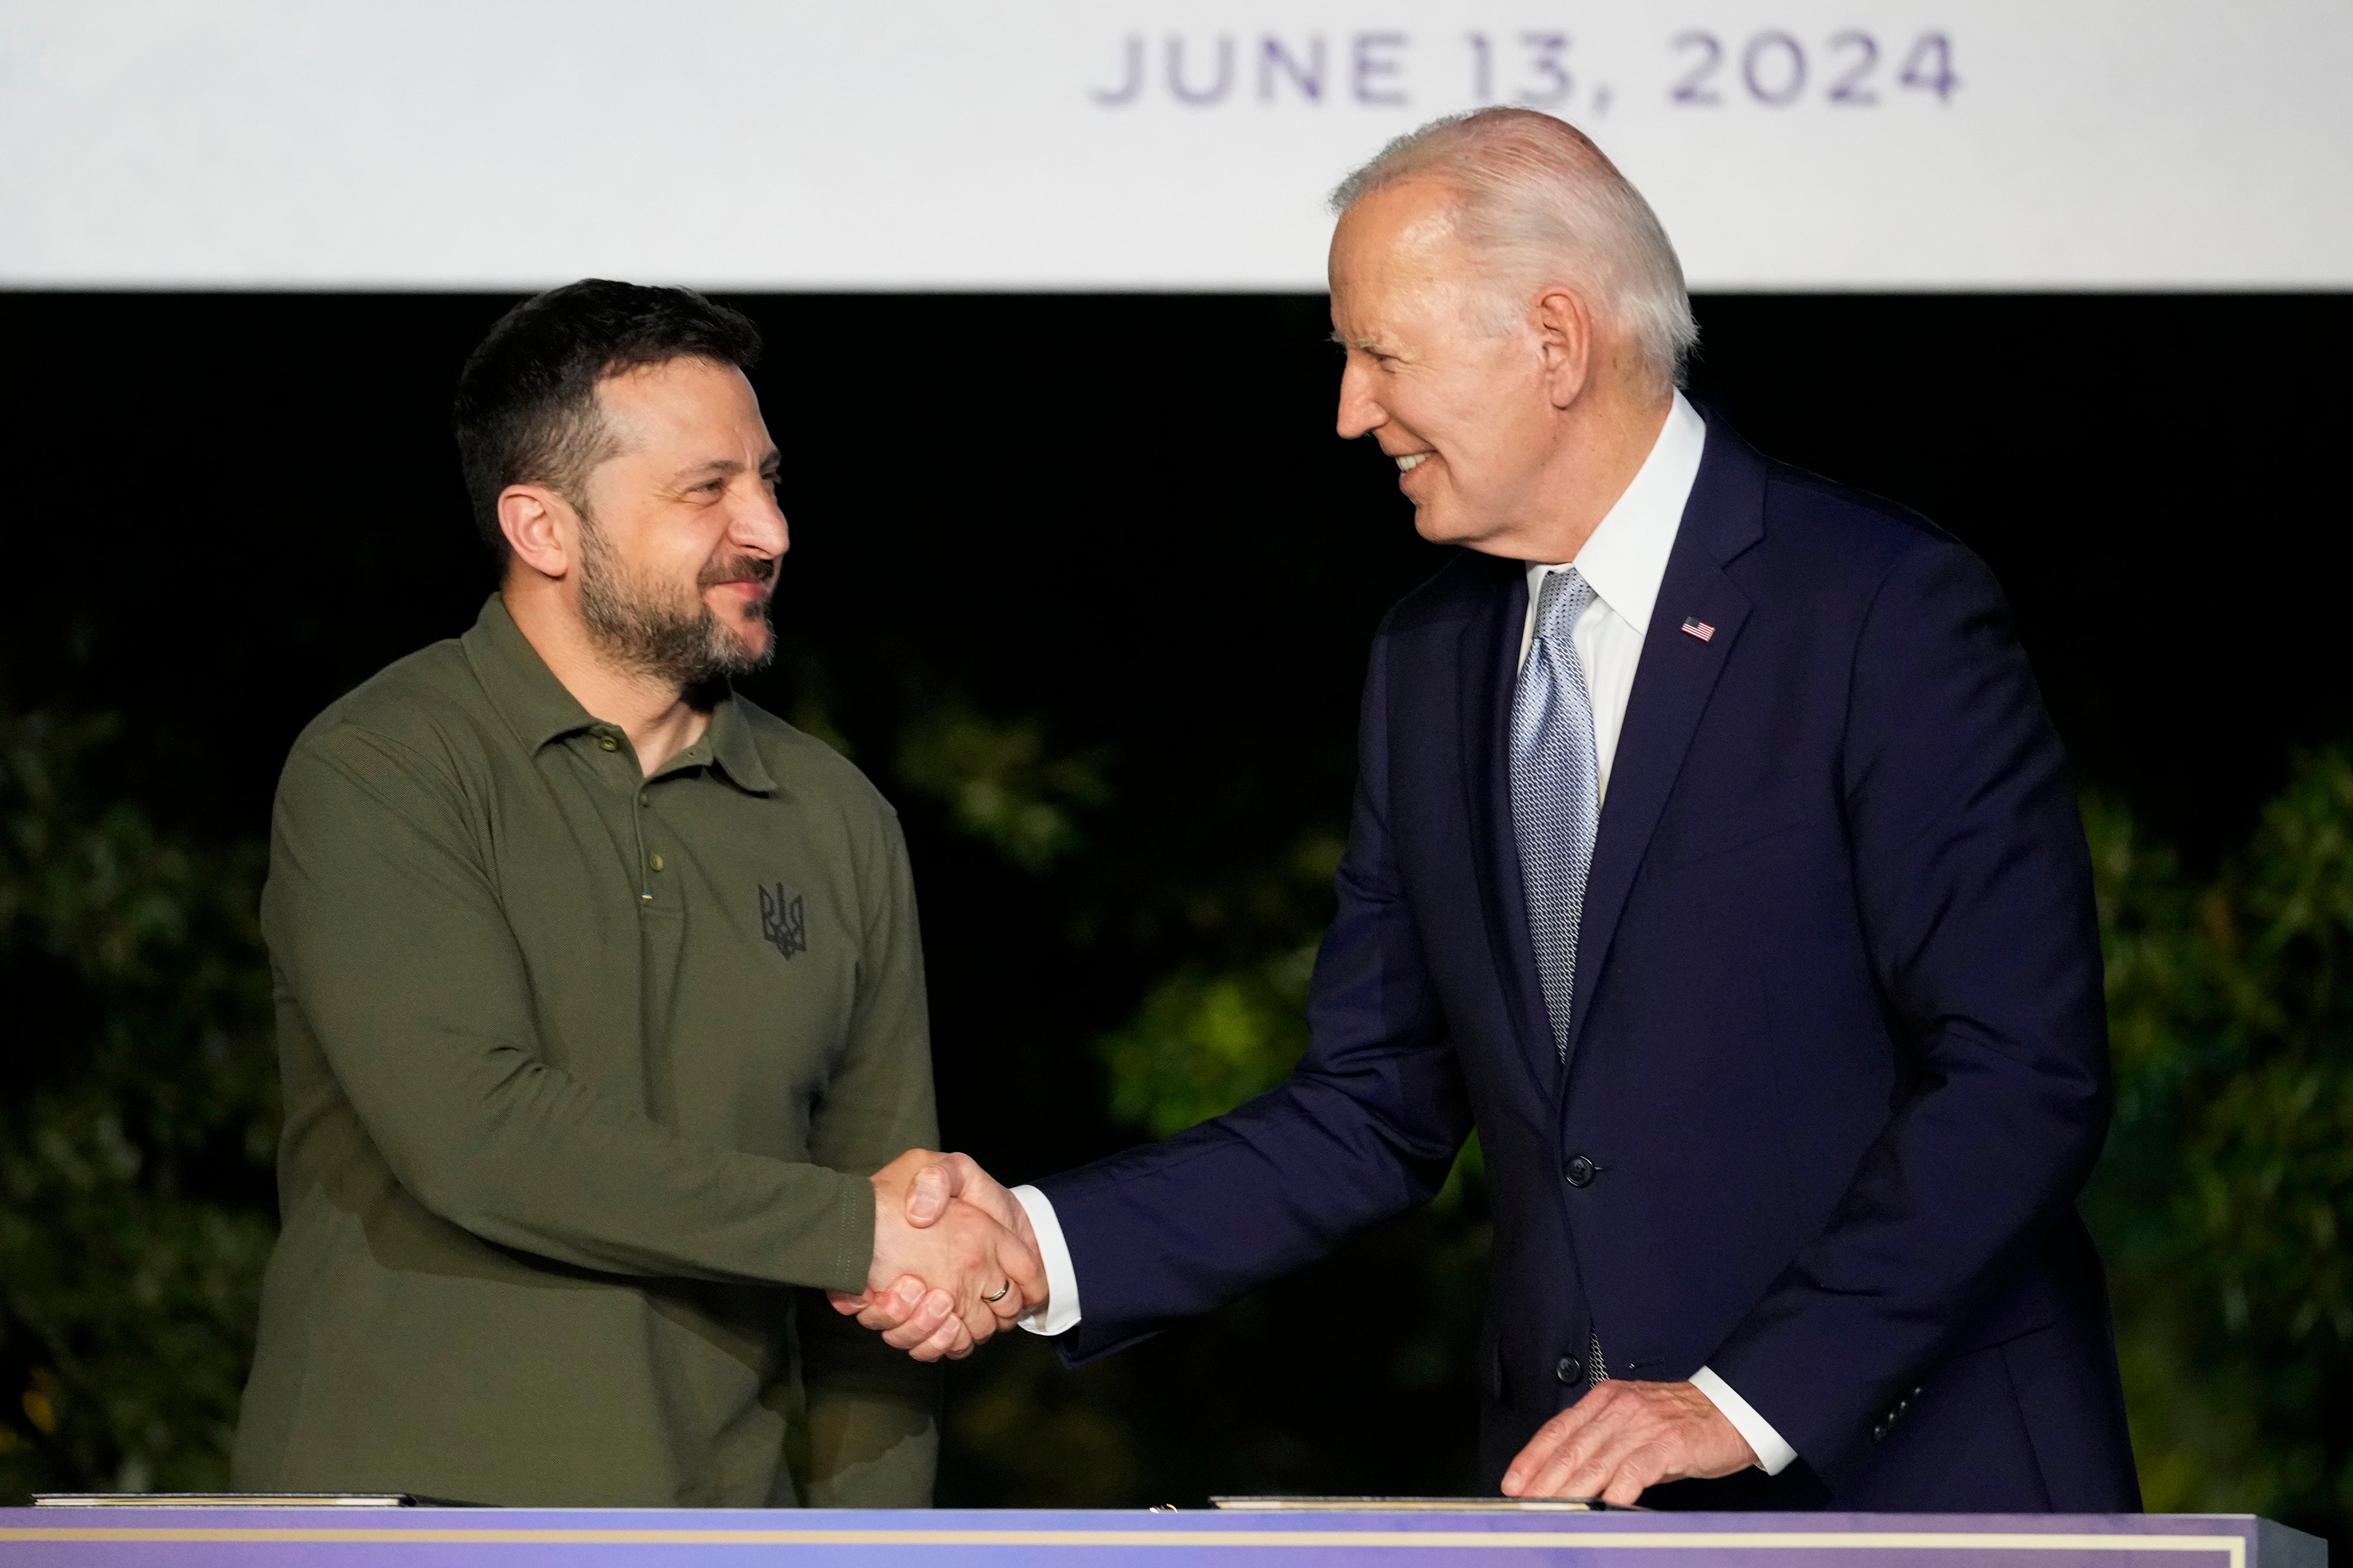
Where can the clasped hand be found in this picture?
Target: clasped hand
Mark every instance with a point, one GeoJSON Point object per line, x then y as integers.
{"type": "Point", "coordinates": [945, 1243]}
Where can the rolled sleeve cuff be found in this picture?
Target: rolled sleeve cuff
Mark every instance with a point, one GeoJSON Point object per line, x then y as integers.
{"type": "Point", "coordinates": [1773, 1454]}
{"type": "Point", "coordinates": [1061, 1312]}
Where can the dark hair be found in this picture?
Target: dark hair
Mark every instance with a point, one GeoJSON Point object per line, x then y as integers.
{"type": "Point", "coordinates": [526, 409]}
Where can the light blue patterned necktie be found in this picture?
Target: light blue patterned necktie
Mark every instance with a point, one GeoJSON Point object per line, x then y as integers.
{"type": "Point", "coordinates": [1556, 789]}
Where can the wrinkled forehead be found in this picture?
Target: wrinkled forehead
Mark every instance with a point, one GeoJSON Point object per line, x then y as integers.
{"type": "Point", "coordinates": [1399, 262]}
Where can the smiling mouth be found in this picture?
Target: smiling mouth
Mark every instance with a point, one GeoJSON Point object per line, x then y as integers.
{"type": "Point", "coordinates": [752, 573]}
{"type": "Point", "coordinates": [1411, 462]}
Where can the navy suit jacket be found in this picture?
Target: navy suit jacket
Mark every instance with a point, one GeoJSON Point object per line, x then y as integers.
{"type": "Point", "coordinates": [1837, 1067]}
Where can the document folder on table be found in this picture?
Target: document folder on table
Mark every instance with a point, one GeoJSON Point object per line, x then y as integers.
{"type": "Point", "coordinates": [1418, 1505]}
{"type": "Point", "coordinates": [224, 1499]}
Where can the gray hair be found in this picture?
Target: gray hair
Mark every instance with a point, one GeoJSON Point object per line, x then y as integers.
{"type": "Point", "coordinates": [1538, 196]}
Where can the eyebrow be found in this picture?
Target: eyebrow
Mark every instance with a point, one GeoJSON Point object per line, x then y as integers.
{"type": "Point", "coordinates": [719, 467]}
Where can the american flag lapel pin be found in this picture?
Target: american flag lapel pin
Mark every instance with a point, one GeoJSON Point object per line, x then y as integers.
{"type": "Point", "coordinates": [1696, 628]}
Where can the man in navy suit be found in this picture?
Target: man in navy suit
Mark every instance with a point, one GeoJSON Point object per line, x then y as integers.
{"type": "Point", "coordinates": [1714, 855]}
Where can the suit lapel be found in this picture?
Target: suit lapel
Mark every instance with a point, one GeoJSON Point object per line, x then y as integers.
{"type": "Point", "coordinates": [1724, 516]}
{"type": "Point", "coordinates": [1488, 663]}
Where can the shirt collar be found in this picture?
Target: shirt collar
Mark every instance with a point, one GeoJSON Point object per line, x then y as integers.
{"type": "Point", "coordinates": [1625, 560]}
{"type": "Point", "coordinates": [521, 686]}
{"type": "Point", "coordinates": [733, 746]}
{"type": "Point", "coordinates": [529, 697]}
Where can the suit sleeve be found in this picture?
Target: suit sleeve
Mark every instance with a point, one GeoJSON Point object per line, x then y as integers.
{"type": "Point", "coordinates": [1974, 891]}
{"type": "Point", "coordinates": [1366, 1126]}
{"type": "Point", "coordinates": [873, 1412]}
{"type": "Point", "coordinates": [387, 933]}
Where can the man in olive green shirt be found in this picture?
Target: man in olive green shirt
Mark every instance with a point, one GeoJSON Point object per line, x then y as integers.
{"type": "Point", "coordinates": [600, 999]}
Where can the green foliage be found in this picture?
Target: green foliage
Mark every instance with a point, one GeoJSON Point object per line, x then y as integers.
{"type": "Point", "coordinates": [1212, 1034]}
{"type": "Point", "coordinates": [1000, 782]}
{"type": "Point", "coordinates": [1204, 1042]}
{"type": "Point", "coordinates": [2227, 1193]}
{"type": "Point", "coordinates": [135, 1140]}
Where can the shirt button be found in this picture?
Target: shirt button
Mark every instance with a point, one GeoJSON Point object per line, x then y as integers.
{"type": "Point", "coordinates": [655, 861]}
{"type": "Point", "coordinates": [1578, 1172]}
{"type": "Point", "coordinates": [608, 743]}
{"type": "Point", "coordinates": [644, 797]}
{"type": "Point", "coordinates": [1568, 1370]}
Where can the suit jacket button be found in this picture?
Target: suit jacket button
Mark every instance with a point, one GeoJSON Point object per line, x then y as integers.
{"type": "Point", "coordinates": [1570, 1370]}
{"type": "Point", "coordinates": [1578, 1172]}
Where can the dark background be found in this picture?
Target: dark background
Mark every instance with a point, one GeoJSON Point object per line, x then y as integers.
{"type": "Point", "coordinates": [1117, 535]}
{"type": "Point", "coordinates": [1129, 512]}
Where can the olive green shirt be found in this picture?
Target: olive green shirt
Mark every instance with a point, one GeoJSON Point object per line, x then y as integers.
{"type": "Point", "coordinates": [585, 1073]}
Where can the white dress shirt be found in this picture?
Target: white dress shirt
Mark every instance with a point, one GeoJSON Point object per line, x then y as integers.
{"type": "Point", "coordinates": [1624, 561]}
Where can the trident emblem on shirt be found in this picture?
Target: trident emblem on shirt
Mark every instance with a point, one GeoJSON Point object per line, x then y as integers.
{"type": "Point", "coordinates": [781, 922]}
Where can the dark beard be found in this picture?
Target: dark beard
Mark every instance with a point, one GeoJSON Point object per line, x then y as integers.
{"type": "Point", "coordinates": [636, 627]}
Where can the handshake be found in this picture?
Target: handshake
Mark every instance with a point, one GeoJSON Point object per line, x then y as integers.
{"type": "Point", "coordinates": [955, 1259]}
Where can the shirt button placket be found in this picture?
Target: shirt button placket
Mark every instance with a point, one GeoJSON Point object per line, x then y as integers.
{"type": "Point", "coordinates": [652, 860]}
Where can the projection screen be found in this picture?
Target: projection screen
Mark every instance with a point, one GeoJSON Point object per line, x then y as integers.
{"type": "Point", "coordinates": [1096, 144]}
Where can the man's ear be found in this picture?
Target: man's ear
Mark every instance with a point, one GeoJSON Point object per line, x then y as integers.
{"type": "Point", "coordinates": [542, 529]}
{"type": "Point", "coordinates": [1564, 337]}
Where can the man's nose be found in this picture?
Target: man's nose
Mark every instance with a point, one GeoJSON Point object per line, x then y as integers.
{"type": "Point", "coordinates": [1359, 414]}
{"type": "Point", "coordinates": [759, 524]}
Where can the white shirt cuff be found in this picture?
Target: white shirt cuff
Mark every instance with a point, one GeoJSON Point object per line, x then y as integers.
{"type": "Point", "coordinates": [1773, 1454]}
{"type": "Point", "coordinates": [1061, 1312]}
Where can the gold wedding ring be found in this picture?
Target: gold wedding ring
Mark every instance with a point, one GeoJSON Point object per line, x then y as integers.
{"type": "Point", "coordinates": [1001, 1295]}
